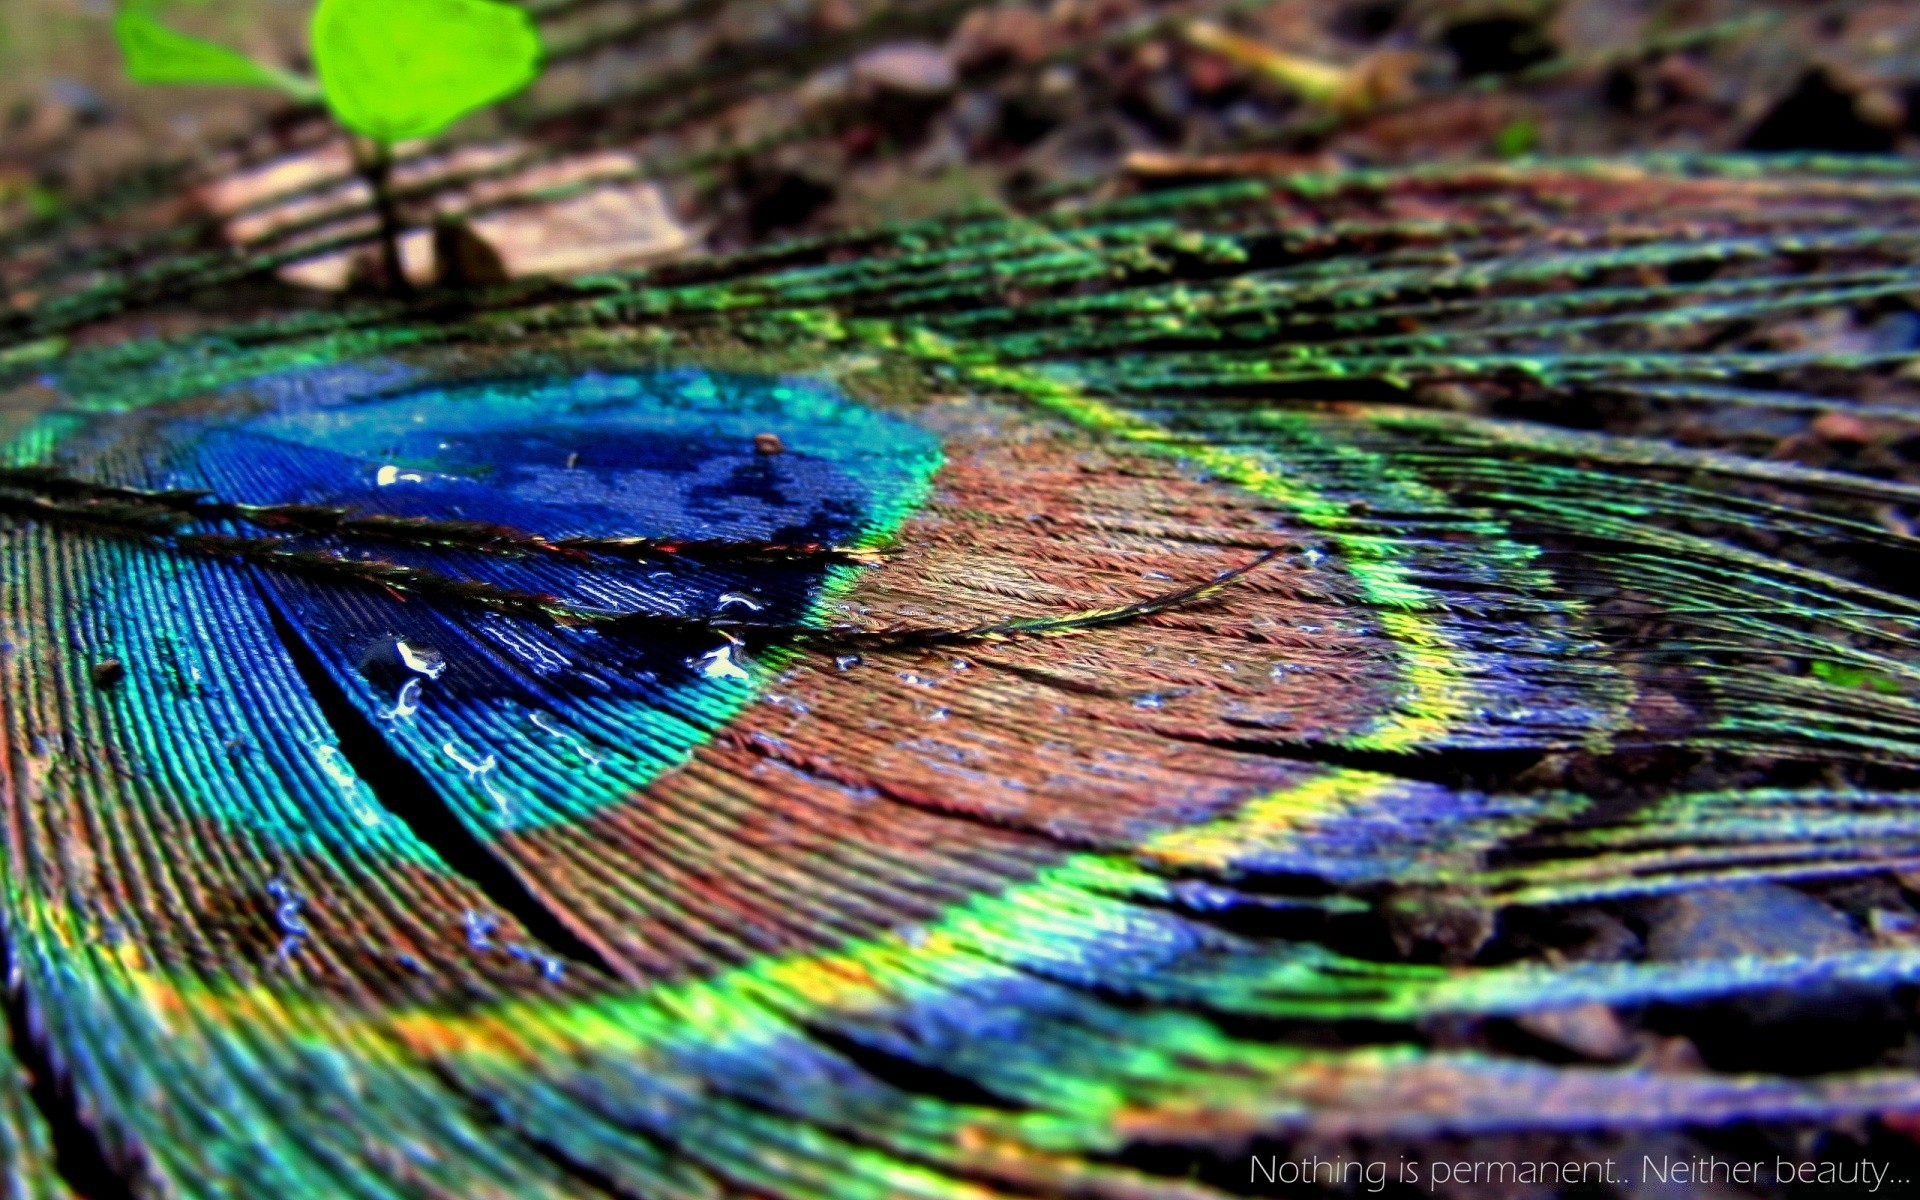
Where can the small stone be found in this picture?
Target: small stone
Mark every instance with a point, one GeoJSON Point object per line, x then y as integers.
{"type": "Point", "coordinates": [1682, 79]}
{"type": "Point", "coordinates": [907, 68]}
{"type": "Point", "coordinates": [1589, 1030]}
{"type": "Point", "coordinates": [616, 224]}
{"type": "Point", "coordinates": [768, 443]}
{"type": "Point", "coordinates": [1439, 924]}
{"type": "Point", "coordinates": [107, 673]}
{"type": "Point", "coordinates": [1670, 1056]}
{"type": "Point", "coordinates": [1842, 427]}
{"type": "Point", "coordinates": [1880, 106]}
{"type": "Point", "coordinates": [1763, 919]}
{"type": "Point", "coordinates": [1450, 397]}
{"type": "Point", "coordinates": [1603, 938]}
{"type": "Point", "coordinates": [1005, 35]}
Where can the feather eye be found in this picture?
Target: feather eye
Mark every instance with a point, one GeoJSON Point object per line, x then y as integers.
{"type": "Point", "coordinates": [930, 742]}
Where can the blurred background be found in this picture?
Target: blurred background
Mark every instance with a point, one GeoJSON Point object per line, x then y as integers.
{"type": "Point", "coordinates": [776, 116]}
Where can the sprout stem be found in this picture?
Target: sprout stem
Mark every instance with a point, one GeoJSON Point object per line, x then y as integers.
{"type": "Point", "coordinates": [374, 160]}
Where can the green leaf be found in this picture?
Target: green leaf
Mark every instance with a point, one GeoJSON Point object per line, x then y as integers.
{"type": "Point", "coordinates": [157, 54]}
{"type": "Point", "coordinates": [1857, 677]}
{"type": "Point", "coordinates": [1517, 138]}
{"type": "Point", "coordinates": [399, 69]}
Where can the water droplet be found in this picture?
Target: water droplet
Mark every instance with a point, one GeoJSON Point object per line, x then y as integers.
{"type": "Point", "coordinates": [719, 664]}
{"type": "Point", "coordinates": [406, 704]}
{"type": "Point", "coordinates": [286, 912]}
{"type": "Point", "coordinates": [938, 714]}
{"type": "Point", "coordinates": [480, 772]}
{"type": "Point", "coordinates": [551, 968]}
{"type": "Point", "coordinates": [573, 743]}
{"type": "Point", "coordinates": [1150, 700]}
{"type": "Point", "coordinates": [916, 680]}
{"type": "Point", "coordinates": [340, 773]}
{"type": "Point", "coordinates": [797, 707]}
{"type": "Point", "coordinates": [422, 660]}
{"type": "Point", "coordinates": [847, 662]}
{"type": "Point", "coordinates": [961, 664]}
{"type": "Point", "coordinates": [387, 476]}
{"type": "Point", "coordinates": [1158, 575]}
{"type": "Point", "coordinates": [479, 927]}
{"type": "Point", "coordinates": [737, 600]}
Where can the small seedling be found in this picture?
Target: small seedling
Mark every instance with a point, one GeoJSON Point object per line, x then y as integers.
{"type": "Point", "coordinates": [389, 70]}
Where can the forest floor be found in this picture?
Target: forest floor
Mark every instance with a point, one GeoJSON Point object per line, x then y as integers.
{"type": "Point", "coordinates": [971, 105]}
{"type": "Point", "coordinates": [1453, 78]}
{"type": "Point", "coordinates": [1012, 97]}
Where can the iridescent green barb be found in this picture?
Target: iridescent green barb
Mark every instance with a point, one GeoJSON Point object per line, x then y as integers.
{"type": "Point", "coordinates": [312, 889]}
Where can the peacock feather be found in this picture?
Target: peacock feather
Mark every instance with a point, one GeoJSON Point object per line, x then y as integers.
{"type": "Point", "coordinates": [1028, 702]}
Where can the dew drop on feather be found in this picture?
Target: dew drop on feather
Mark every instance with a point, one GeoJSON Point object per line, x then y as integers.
{"type": "Point", "coordinates": [422, 660]}
{"type": "Point", "coordinates": [406, 704]}
{"type": "Point", "coordinates": [719, 664]}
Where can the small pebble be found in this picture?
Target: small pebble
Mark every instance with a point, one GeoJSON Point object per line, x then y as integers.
{"type": "Point", "coordinates": [1589, 1030]}
{"type": "Point", "coordinates": [1763, 919]}
{"type": "Point", "coordinates": [1842, 427]}
{"type": "Point", "coordinates": [908, 68]}
{"type": "Point", "coordinates": [768, 443]}
{"type": "Point", "coordinates": [1670, 1056]}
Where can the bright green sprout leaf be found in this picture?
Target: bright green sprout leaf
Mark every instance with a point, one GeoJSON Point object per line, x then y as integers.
{"type": "Point", "coordinates": [158, 54]}
{"type": "Point", "coordinates": [399, 69]}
